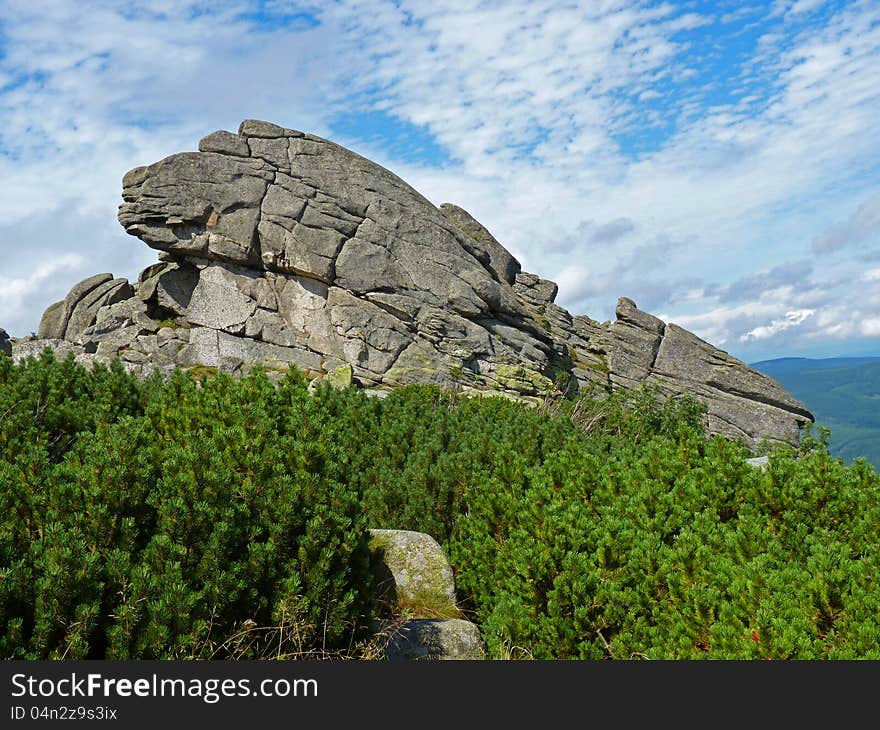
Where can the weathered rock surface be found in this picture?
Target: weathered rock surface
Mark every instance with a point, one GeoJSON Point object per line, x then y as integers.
{"type": "Point", "coordinates": [436, 639]}
{"type": "Point", "coordinates": [283, 249]}
{"type": "Point", "coordinates": [759, 462]}
{"type": "Point", "coordinates": [414, 575]}
{"type": "Point", "coordinates": [5, 343]}
{"type": "Point", "coordinates": [416, 603]}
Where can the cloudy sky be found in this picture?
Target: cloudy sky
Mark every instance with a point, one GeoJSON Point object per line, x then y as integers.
{"type": "Point", "coordinates": [716, 161]}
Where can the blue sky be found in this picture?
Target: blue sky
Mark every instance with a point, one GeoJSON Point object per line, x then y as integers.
{"type": "Point", "coordinates": [718, 162]}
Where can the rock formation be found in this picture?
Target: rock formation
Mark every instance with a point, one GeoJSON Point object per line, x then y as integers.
{"type": "Point", "coordinates": [5, 343]}
{"type": "Point", "coordinates": [435, 639]}
{"type": "Point", "coordinates": [282, 249]}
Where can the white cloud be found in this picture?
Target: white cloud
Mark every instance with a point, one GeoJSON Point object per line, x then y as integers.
{"type": "Point", "coordinates": [805, 6]}
{"type": "Point", "coordinates": [862, 226]}
{"type": "Point", "coordinates": [576, 280]}
{"type": "Point", "coordinates": [532, 101]}
{"type": "Point", "coordinates": [719, 324]}
{"type": "Point", "coordinates": [100, 87]}
{"type": "Point", "coordinates": [791, 319]}
{"type": "Point", "coordinates": [16, 292]}
{"type": "Point", "coordinates": [12, 289]}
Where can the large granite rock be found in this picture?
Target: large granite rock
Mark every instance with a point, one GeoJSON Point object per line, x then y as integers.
{"type": "Point", "coordinates": [283, 249]}
{"type": "Point", "coordinates": [5, 343]}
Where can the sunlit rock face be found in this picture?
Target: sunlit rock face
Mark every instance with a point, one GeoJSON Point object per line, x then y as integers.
{"type": "Point", "coordinates": [281, 249]}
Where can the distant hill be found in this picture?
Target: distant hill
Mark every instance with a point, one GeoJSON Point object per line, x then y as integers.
{"type": "Point", "coordinates": [844, 395]}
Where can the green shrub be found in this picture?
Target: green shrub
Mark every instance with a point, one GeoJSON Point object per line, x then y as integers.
{"type": "Point", "coordinates": [197, 524]}
{"type": "Point", "coordinates": [673, 547]}
{"type": "Point", "coordinates": [222, 518]}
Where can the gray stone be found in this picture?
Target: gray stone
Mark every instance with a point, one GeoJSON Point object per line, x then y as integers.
{"type": "Point", "coordinates": [211, 348]}
{"type": "Point", "coordinates": [5, 343]}
{"type": "Point", "coordinates": [121, 314]}
{"type": "Point", "coordinates": [534, 289]}
{"type": "Point", "coordinates": [109, 345]}
{"type": "Point", "coordinates": [219, 301]}
{"type": "Point", "coordinates": [256, 128]}
{"type": "Point", "coordinates": [197, 204]}
{"type": "Point", "coordinates": [54, 321]}
{"type": "Point", "coordinates": [85, 312]}
{"type": "Point", "coordinates": [273, 151]}
{"type": "Point", "coordinates": [284, 249]}
{"type": "Point", "coordinates": [483, 245]}
{"type": "Point", "coordinates": [225, 143]}
{"type": "Point", "coordinates": [174, 287]}
{"type": "Point", "coordinates": [372, 338]}
{"type": "Point", "coordinates": [415, 576]}
{"type": "Point", "coordinates": [435, 639]}
{"type": "Point", "coordinates": [53, 325]}
{"type": "Point", "coordinates": [24, 349]}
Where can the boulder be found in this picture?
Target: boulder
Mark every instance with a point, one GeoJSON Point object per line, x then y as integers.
{"type": "Point", "coordinates": [24, 349]}
{"type": "Point", "coordinates": [5, 343]}
{"type": "Point", "coordinates": [759, 462]}
{"type": "Point", "coordinates": [414, 575]}
{"type": "Point", "coordinates": [85, 311]}
{"type": "Point", "coordinates": [434, 639]}
{"type": "Point", "coordinates": [53, 325]}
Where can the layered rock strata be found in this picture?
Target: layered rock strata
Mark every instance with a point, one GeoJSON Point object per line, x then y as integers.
{"type": "Point", "coordinates": [283, 249]}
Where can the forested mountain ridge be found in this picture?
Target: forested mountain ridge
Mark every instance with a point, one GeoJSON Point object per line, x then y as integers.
{"type": "Point", "coordinates": [843, 394]}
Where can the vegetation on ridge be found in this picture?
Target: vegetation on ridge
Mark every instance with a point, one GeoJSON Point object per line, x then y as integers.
{"type": "Point", "coordinates": [143, 519]}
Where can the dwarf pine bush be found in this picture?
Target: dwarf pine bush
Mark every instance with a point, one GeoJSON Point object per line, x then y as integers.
{"type": "Point", "coordinates": [171, 520]}
{"type": "Point", "coordinates": [228, 519]}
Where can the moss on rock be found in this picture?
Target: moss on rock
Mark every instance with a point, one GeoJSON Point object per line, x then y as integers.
{"type": "Point", "coordinates": [415, 577]}
{"type": "Point", "coordinates": [523, 380]}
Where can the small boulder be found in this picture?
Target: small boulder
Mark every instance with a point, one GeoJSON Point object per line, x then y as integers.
{"type": "Point", "coordinates": [415, 577]}
{"type": "Point", "coordinates": [435, 639]}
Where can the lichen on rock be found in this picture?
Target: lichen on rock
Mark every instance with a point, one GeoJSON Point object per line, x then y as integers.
{"type": "Point", "coordinates": [414, 576]}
